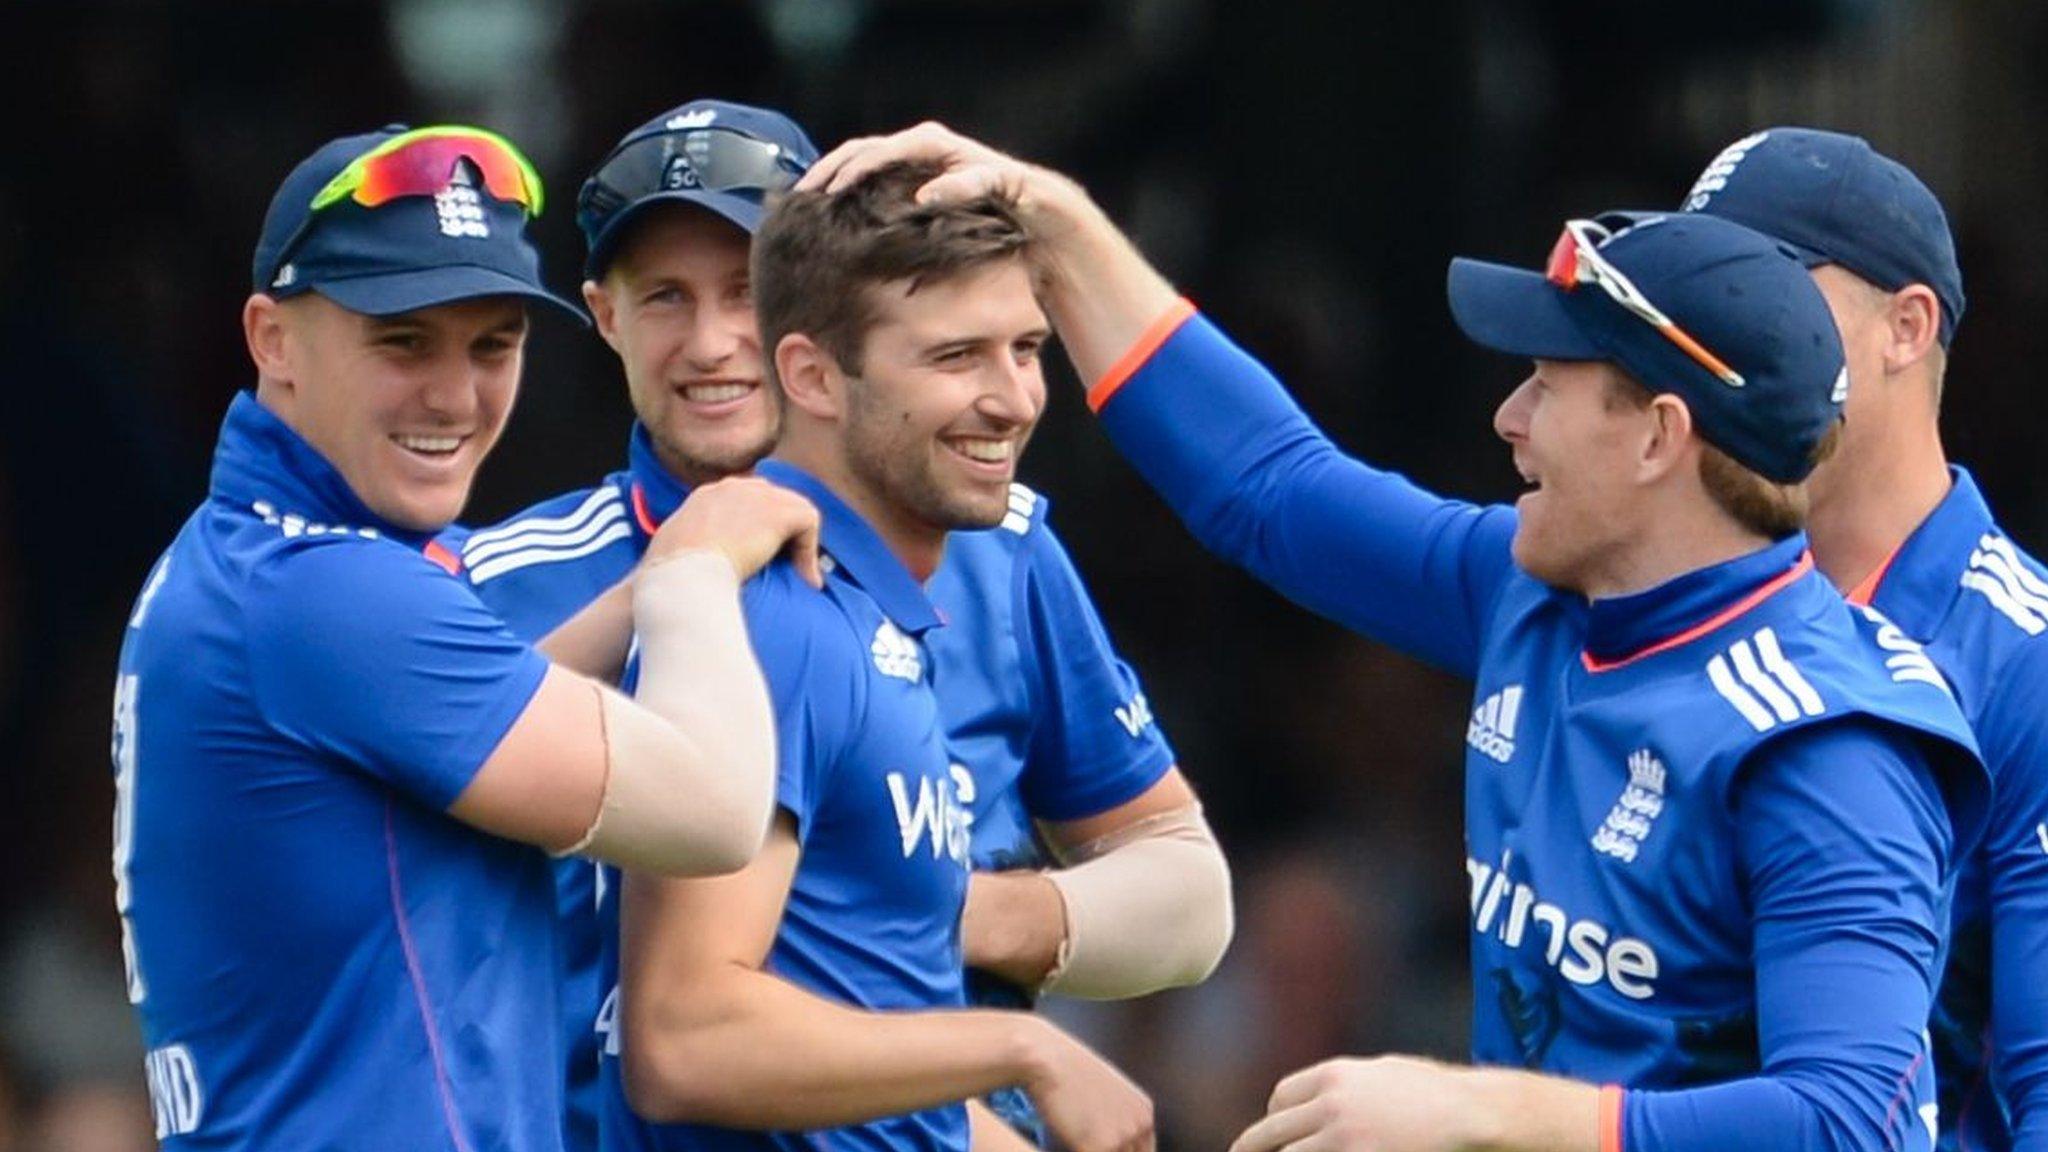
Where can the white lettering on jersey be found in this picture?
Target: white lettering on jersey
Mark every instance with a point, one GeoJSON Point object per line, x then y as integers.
{"type": "Point", "coordinates": [895, 654]}
{"type": "Point", "coordinates": [936, 815]}
{"type": "Point", "coordinates": [1492, 730]}
{"type": "Point", "coordinates": [1596, 954]}
{"type": "Point", "coordinates": [1764, 686]}
{"type": "Point", "coordinates": [607, 1023]}
{"type": "Point", "coordinates": [126, 691]}
{"type": "Point", "coordinates": [1719, 170]}
{"type": "Point", "coordinates": [174, 1092]}
{"type": "Point", "coordinates": [1905, 660]}
{"type": "Point", "coordinates": [1628, 823]}
{"type": "Point", "coordinates": [1135, 716]}
{"type": "Point", "coordinates": [154, 585]}
{"type": "Point", "coordinates": [2000, 576]}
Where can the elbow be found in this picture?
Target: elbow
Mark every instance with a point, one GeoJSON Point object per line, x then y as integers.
{"type": "Point", "coordinates": [1211, 923]}
{"type": "Point", "coordinates": [671, 1077]}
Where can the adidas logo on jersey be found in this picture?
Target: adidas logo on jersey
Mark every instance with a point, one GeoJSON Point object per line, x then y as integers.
{"type": "Point", "coordinates": [896, 654]}
{"type": "Point", "coordinates": [1629, 822]}
{"type": "Point", "coordinates": [1492, 730]}
{"type": "Point", "coordinates": [1754, 676]}
{"type": "Point", "coordinates": [2000, 575]}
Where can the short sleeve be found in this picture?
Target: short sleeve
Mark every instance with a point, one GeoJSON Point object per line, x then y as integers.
{"type": "Point", "coordinates": [1095, 744]}
{"type": "Point", "coordinates": [814, 680]}
{"type": "Point", "coordinates": [369, 653]}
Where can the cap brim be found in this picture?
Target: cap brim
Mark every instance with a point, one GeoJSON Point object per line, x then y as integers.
{"type": "Point", "coordinates": [742, 211]}
{"type": "Point", "coordinates": [1516, 311]}
{"type": "Point", "coordinates": [389, 294]}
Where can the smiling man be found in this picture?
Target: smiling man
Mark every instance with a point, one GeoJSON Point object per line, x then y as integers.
{"type": "Point", "coordinates": [1711, 809]}
{"type": "Point", "coordinates": [1051, 730]}
{"type": "Point", "coordinates": [335, 769]}
{"type": "Point", "coordinates": [817, 999]}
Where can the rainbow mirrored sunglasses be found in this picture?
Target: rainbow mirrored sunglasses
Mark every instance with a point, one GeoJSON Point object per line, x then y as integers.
{"type": "Point", "coordinates": [1576, 259]}
{"type": "Point", "coordinates": [422, 162]}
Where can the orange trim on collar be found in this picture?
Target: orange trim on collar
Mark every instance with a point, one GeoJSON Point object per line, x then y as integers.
{"type": "Point", "coordinates": [1866, 589]}
{"type": "Point", "coordinates": [1755, 598]}
{"type": "Point", "coordinates": [1135, 356]}
{"type": "Point", "coordinates": [640, 512]}
{"type": "Point", "coordinates": [1610, 1118]}
{"type": "Point", "coordinates": [447, 561]}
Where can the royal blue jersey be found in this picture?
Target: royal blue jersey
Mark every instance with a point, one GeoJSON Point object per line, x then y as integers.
{"type": "Point", "coordinates": [321, 957]}
{"type": "Point", "coordinates": [1980, 605]}
{"type": "Point", "coordinates": [1709, 826]}
{"type": "Point", "coordinates": [1047, 720]}
{"type": "Point", "coordinates": [873, 914]}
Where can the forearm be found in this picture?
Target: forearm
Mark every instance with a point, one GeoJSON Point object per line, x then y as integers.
{"type": "Point", "coordinates": [1147, 908]}
{"type": "Point", "coordinates": [742, 1048]}
{"type": "Point", "coordinates": [1213, 431]}
{"type": "Point", "coordinates": [691, 763]}
{"type": "Point", "coordinates": [596, 639]}
{"type": "Point", "coordinates": [986, 1132]}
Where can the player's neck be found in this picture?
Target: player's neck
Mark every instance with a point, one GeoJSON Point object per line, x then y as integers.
{"type": "Point", "coordinates": [1868, 502]}
{"type": "Point", "coordinates": [1673, 545]}
{"type": "Point", "coordinates": [917, 545]}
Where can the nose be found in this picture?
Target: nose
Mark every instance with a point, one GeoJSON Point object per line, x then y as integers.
{"type": "Point", "coordinates": [451, 389]}
{"type": "Point", "coordinates": [1016, 391]}
{"type": "Point", "coordinates": [716, 336]}
{"type": "Point", "coordinates": [1511, 419]}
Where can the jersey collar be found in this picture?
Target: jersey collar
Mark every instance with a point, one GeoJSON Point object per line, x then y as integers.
{"type": "Point", "coordinates": [1922, 579]}
{"type": "Point", "coordinates": [656, 493]}
{"type": "Point", "coordinates": [1624, 629]}
{"type": "Point", "coordinates": [261, 461]}
{"type": "Point", "coordinates": [858, 553]}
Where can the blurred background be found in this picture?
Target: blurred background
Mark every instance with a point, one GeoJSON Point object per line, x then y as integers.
{"type": "Point", "coordinates": [1304, 169]}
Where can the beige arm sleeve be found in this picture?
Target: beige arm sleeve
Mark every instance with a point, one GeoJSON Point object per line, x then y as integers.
{"type": "Point", "coordinates": [1148, 907]}
{"type": "Point", "coordinates": [690, 780]}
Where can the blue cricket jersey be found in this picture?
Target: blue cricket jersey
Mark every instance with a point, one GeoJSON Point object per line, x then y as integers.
{"type": "Point", "coordinates": [1709, 827]}
{"type": "Point", "coordinates": [1047, 720]}
{"type": "Point", "coordinates": [873, 916]}
{"type": "Point", "coordinates": [1980, 605]}
{"type": "Point", "coordinates": [320, 956]}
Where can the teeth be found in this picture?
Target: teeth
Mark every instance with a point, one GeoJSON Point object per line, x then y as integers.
{"type": "Point", "coordinates": [986, 451]}
{"type": "Point", "coordinates": [429, 443]}
{"type": "Point", "coordinates": [715, 393]}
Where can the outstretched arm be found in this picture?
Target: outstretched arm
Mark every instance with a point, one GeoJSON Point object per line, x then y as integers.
{"type": "Point", "coordinates": [1210, 428]}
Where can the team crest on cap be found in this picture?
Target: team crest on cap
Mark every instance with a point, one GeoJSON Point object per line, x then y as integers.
{"type": "Point", "coordinates": [700, 118]}
{"type": "Point", "coordinates": [1841, 389]}
{"type": "Point", "coordinates": [459, 208]}
{"type": "Point", "coordinates": [1723, 166]}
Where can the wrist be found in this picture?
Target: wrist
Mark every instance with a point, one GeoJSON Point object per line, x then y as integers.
{"type": "Point", "coordinates": [673, 590]}
{"type": "Point", "coordinates": [1031, 1050]}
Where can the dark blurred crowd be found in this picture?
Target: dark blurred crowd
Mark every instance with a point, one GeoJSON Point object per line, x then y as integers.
{"type": "Point", "coordinates": [1304, 169]}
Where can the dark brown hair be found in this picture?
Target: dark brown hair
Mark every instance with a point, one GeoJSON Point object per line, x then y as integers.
{"type": "Point", "coordinates": [818, 258]}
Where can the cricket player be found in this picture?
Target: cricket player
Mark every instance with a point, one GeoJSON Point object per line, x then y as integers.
{"type": "Point", "coordinates": [817, 999]}
{"type": "Point", "coordinates": [1048, 726]}
{"type": "Point", "coordinates": [1711, 808]}
{"type": "Point", "coordinates": [1896, 527]}
{"type": "Point", "coordinates": [335, 770]}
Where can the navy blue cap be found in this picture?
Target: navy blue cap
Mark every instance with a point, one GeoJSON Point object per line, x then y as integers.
{"type": "Point", "coordinates": [1839, 201]}
{"type": "Point", "coordinates": [408, 253]}
{"type": "Point", "coordinates": [1743, 296]}
{"type": "Point", "coordinates": [620, 190]}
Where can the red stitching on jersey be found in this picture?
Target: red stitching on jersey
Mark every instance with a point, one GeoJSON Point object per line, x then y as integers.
{"type": "Point", "coordinates": [419, 982]}
{"type": "Point", "coordinates": [1755, 598]}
